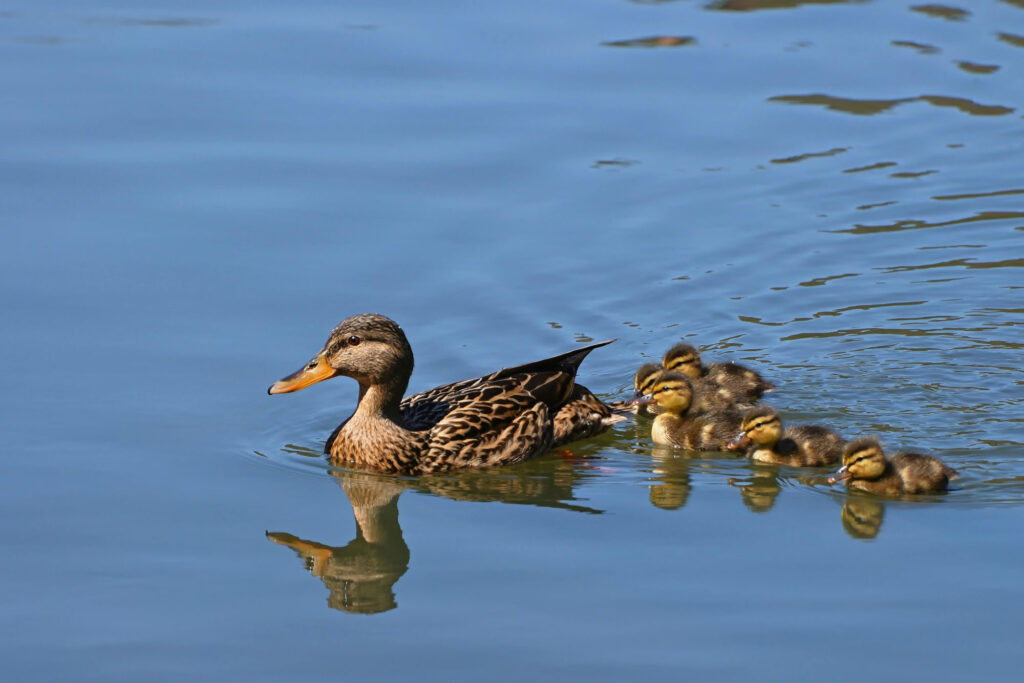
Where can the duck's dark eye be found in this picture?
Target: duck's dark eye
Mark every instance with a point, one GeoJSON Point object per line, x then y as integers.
{"type": "Point", "coordinates": [354, 340]}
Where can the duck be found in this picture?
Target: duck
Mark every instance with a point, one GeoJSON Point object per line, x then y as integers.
{"type": "Point", "coordinates": [641, 384]}
{"type": "Point", "coordinates": [501, 418]}
{"type": "Point", "coordinates": [762, 434]}
{"type": "Point", "coordinates": [680, 424]}
{"type": "Point", "coordinates": [721, 384]}
{"type": "Point", "coordinates": [643, 380]}
{"type": "Point", "coordinates": [867, 468]}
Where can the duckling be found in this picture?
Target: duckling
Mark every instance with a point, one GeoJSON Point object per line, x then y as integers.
{"type": "Point", "coordinates": [799, 446]}
{"type": "Point", "coordinates": [679, 424]}
{"type": "Point", "coordinates": [866, 467]}
{"type": "Point", "coordinates": [643, 380]}
{"type": "Point", "coordinates": [707, 396]}
{"type": "Point", "coordinates": [725, 383]}
{"type": "Point", "coordinates": [641, 386]}
{"type": "Point", "coordinates": [500, 418]}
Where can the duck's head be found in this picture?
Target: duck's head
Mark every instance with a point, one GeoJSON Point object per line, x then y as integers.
{"type": "Point", "coordinates": [760, 425]}
{"type": "Point", "coordinates": [862, 459]}
{"type": "Point", "coordinates": [369, 348]}
{"type": "Point", "coordinates": [683, 358]}
{"type": "Point", "coordinates": [670, 390]}
{"type": "Point", "coordinates": [643, 380]}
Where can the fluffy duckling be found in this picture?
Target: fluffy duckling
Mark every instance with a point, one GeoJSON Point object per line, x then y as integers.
{"type": "Point", "coordinates": [643, 381]}
{"type": "Point", "coordinates": [866, 467]}
{"type": "Point", "coordinates": [724, 383]}
{"type": "Point", "coordinates": [679, 424]}
{"type": "Point", "coordinates": [800, 446]}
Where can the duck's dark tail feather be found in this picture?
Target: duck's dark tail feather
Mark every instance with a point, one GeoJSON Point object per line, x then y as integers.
{"type": "Point", "coordinates": [567, 362]}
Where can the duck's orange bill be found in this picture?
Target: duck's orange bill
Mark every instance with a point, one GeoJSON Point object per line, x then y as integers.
{"type": "Point", "coordinates": [314, 371]}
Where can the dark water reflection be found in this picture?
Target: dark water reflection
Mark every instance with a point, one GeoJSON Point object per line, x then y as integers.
{"type": "Point", "coordinates": [870, 107]}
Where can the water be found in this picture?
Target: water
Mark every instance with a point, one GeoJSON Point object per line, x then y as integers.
{"type": "Point", "coordinates": [194, 193]}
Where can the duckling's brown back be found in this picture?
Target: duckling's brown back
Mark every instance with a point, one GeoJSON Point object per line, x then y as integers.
{"type": "Point", "coordinates": [712, 431]}
{"type": "Point", "coordinates": [745, 385]}
{"type": "Point", "coordinates": [817, 445]}
{"type": "Point", "coordinates": [922, 473]}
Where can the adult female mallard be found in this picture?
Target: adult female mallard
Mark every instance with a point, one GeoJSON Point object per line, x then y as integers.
{"type": "Point", "coordinates": [501, 418]}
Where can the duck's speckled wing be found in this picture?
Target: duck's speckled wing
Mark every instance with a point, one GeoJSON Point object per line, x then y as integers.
{"type": "Point", "coordinates": [423, 410]}
{"type": "Point", "coordinates": [502, 421]}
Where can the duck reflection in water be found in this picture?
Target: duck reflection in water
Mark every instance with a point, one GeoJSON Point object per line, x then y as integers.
{"type": "Point", "coordinates": [361, 575]}
{"type": "Point", "coordinates": [862, 517]}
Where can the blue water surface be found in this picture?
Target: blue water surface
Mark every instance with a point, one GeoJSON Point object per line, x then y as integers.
{"type": "Point", "coordinates": [195, 193]}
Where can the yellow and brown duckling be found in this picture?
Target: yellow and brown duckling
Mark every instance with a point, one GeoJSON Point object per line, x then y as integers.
{"type": "Point", "coordinates": [643, 382]}
{"type": "Point", "coordinates": [504, 417]}
{"type": "Point", "coordinates": [679, 424]}
{"type": "Point", "coordinates": [866, 467]}
{"type": "Point", "coordinates": [720, 383]}
{"type": "Point", "coordinates": [765, 439]}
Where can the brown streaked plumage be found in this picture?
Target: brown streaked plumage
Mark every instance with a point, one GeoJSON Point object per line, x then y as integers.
{"type": "Point", "coordinates": [798, 446]}
{"type": "Point", "coordinates": [501, 418]}
{"type": "Point", "coordinates": [720, 384]}
{"type": "Point", "coordinates": [682, 426]}
{"type": "Point", "coordinates": [866, 467]}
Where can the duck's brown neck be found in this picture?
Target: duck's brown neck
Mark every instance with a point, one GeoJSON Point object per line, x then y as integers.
{"type": "Point", "coordinates": [378, 401]}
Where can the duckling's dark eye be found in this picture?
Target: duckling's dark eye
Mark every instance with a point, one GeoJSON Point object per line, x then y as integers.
{"type": "Point", "coordinates": [354, 340]}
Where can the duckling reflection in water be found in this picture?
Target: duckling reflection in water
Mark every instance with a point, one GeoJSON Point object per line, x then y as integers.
{"type": "Point", "coordinates": [862, 517]}
{"type": "Point", "coordinates": [763, 436]}
{"type": "Point", "coordinates": [719, 384]}
{"type": "Point", "coordinates": [866, 467]}
{"type": "Point", "coordinates": [679, 425]}
{"type": "Point", "coordinates": [761, 490]}
{"type": "Point", "coordinates": [670, 478]}
{"type": "Point", "coordinates": [360, 575]}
